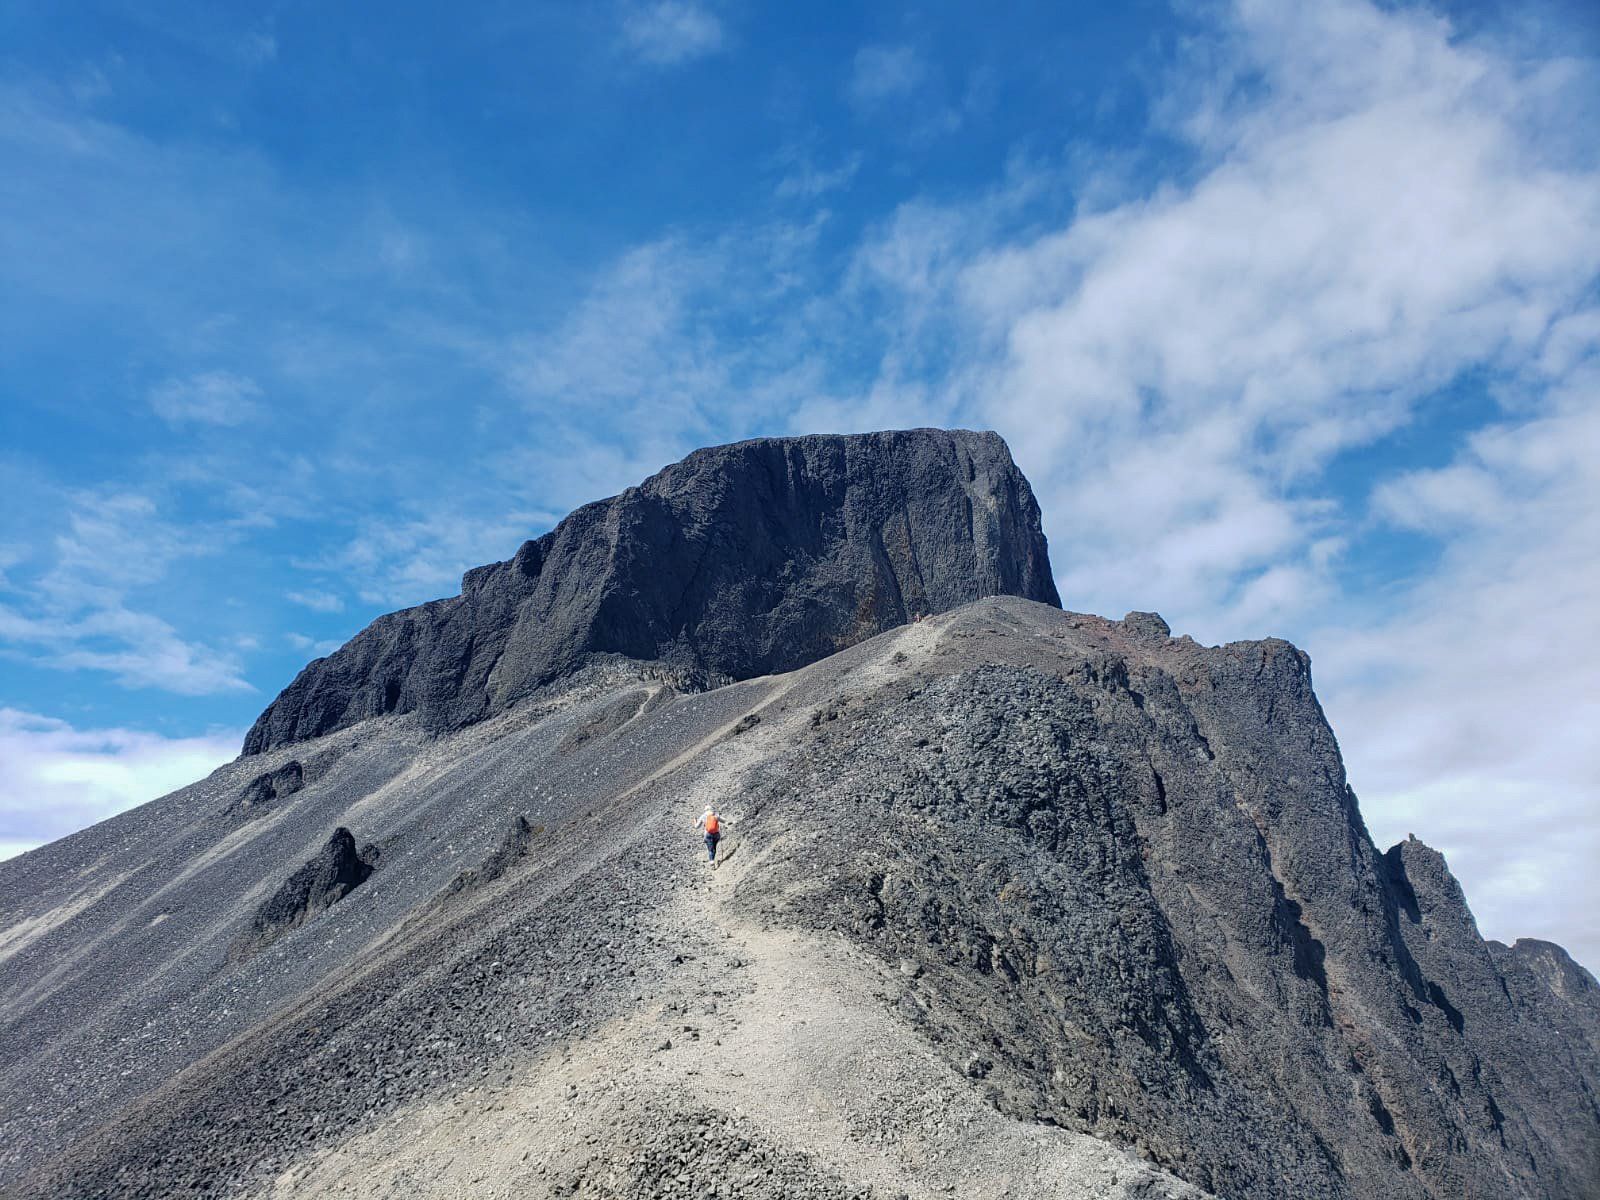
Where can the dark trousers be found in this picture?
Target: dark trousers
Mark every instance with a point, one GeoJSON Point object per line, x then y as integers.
{"type": "Point", "coordinates": [711, 846]}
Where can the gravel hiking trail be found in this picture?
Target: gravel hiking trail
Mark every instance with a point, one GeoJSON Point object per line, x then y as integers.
{"type": "Point", "coordinates": [766, 1062]}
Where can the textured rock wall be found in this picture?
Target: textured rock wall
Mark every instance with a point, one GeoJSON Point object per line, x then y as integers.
{"type": "Point", "coordinates": [1127, 888]}
{"type": "Point", "coordinates": [739, 561]}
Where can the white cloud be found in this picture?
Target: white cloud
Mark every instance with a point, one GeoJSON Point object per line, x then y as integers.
{"type": "Point", "coordinates": [804, 179]}
{"type": "Point", "coordinates": [409, 560]}
{"type": "Point", "coordinates": [318, 649]}
{"type": "Point", "coordinates": [76, 615]}
{"type": "Point", "coordinates": [1374, 210]}
{"type": "Point", "coordinates": [670, 32]}
{"type": "Point", "coordinates": [1468, 709]}
{"type": "Point", "coordinates": [316, 601]}
{"type": "Point", "coordinates": [1439, 501]}
{"type": "Point", "coordinates": [649, 365]}
{"type": "Point", "coordinates": [881, 73]}
{"type": "Point", "coordinates": [137, 650]}
{"type": "Point", "coordinates": [10, 556]}
{"type": "Point", "coordinates": [260, 47]}
{"type": "Point", "coordinates": [55, 778]}
{"type": "Point", "coordinates": [1375, 219]}
{"type": "Point", "coordinates": [88, 86]}
{"type": "Point", "coordinates": [1369, 207]}
{"type": "Point", "coordinates": [208, 398]}
{"type": "Point", "coordinates": [635, 334]}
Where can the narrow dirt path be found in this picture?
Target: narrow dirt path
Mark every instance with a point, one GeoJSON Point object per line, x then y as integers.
{"type": "Point", "coordinates": [768, 1062]}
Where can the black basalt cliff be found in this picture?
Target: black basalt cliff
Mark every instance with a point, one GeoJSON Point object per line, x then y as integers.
{"type": "Point", "coordinates": [739, 561]}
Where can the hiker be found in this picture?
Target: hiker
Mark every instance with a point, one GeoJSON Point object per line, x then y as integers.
{"type": "Point", "coordinates": [712, 824]}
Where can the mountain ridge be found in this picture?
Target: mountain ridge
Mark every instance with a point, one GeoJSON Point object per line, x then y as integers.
{"type": "Point", "coordinates": [1054, 847]}
{"type": "Point", "coordinates": [1015, 902]}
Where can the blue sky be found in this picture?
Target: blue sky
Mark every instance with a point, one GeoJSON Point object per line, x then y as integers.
{"type": "Point", "coordinates": [1291, 313]}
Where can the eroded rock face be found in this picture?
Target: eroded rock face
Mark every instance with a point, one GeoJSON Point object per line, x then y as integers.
{"type": "Point", "coordinates": [739, 561]}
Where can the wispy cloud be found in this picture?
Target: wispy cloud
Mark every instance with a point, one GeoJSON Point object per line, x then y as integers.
{"type": "Point", "coordinates": [1190, 362]}
{"type": "Point", "coordinates": [210, 397]}
{"type": "Point", "coordinates": [76, 614]}
{"type": "Point", "coordinates": [1466, 705]}
{"type": "Point", "coordinates": [260, 46]}
{"type": "Point", "coordinates": [666, 352]}
{"type": "Point", "coordinates": [805, 179]}
{"type": "Point", "coordinates": [316, 601]}
{"type": "Point", "coordinates": [318, 648]}
{"type": "Point", "coordinates": [881, 73]}
{"type": "Point", "coordinates": [1204, 362]}
{"type": "Point", "coordinates": [55, 778]}
{"type": "Point", "coordinates": [670, 32]}
{"type": "Point", "coordinates": [10, 556]}
{"type": "Point", "coordinates": [409, 559]}
{"type": "Point", "coordinates": [141, 651]}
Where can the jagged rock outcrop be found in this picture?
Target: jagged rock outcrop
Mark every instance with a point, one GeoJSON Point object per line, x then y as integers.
{"type": "Point", "coordinates": [271, 785]}
{"type": "Point", "coordinates": [739, 561]}
{"type": "Point", "coordinates": [332, 874]}
{"type": "Point", "coordinates": [1124, 884]}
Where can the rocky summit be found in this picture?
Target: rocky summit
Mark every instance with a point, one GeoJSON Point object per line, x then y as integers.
{"type": "Point", "coordinates": [1012, 902]}
{"type": "Point", "coordinates": [739, 561]}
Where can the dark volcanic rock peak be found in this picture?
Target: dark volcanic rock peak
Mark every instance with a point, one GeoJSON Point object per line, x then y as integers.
{"type": "Point", "coordinates": [739, 561]}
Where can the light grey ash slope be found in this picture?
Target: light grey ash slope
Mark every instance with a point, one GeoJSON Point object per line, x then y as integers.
{"type": "Point", "coordinates": [739, 561]}
{"type": "Point", "coordinates": [1025, 875]}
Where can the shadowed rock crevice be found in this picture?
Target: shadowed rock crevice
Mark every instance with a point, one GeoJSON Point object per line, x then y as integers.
{"type": "Point", "coordinates": [1309, 953]}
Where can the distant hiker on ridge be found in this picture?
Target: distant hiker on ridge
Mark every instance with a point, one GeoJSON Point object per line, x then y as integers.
{"type": "Point", "coordinates": [712, 824]}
